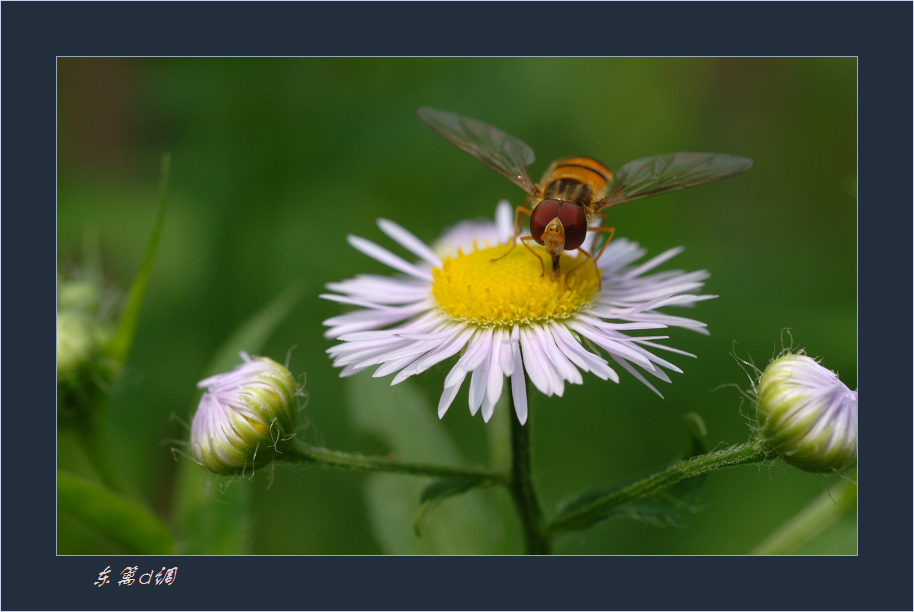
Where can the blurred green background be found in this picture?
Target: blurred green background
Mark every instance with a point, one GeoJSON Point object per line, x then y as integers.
{"type": "Point", "coordinates": [275, 161]}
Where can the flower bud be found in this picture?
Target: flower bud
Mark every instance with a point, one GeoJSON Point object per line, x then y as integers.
{"type": "Point", "coordinates": [82, 333]}
{"type": "Point", "coordinates": [79, 295]}
{"type": "Point", "coordinates": [243, 415]}
{"type": "Point", "coordinates": [807, 415]}
{"type": "Point", "coordinates": [77, 345]}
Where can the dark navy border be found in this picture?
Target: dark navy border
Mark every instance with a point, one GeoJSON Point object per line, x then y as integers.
{"type": "Point", "coordinates": [33, 34]}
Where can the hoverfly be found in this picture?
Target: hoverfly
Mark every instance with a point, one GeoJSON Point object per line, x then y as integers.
{"type": "Point", "coordinates": [575, 191]}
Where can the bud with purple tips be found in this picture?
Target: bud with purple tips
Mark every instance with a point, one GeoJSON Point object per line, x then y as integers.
{"type": "Point", "coordinates": [243, 415]}
{"type": "Point", "coordinates": [807, 415]}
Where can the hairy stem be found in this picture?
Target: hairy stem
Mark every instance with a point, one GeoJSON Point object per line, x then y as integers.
{"type": "Point", "coordinates": [325, 457]}
{"type": "Point", "coordinates": [522, 489]}
{"type": "Point", "coordinates": [752, 452]}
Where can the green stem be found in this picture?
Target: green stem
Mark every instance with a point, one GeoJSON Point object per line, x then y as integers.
{"type": "Point", "coordinates": [325, 457]}
{"type": "Point", "coordinates": [92, 432]}
{"type": "Point", "coordinates": [522, 489]}
{"type": "Point", "coordinates": [741, 454]}
{"type": "Point", "coordinates": [812, 520]}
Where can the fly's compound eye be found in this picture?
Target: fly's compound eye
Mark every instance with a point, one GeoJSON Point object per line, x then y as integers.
{"type": "Point", "coordinates": [572, 216]}
{"type": "Point", "coordinates": [574, 219]}
{"type": "Point", "coordinates": [545, 211]}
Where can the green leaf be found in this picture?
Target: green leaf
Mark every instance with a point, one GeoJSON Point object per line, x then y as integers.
{"type": "Point", "coordinates": [213, 512]}
{"type": "Point", "coordinates": [126, 329]}
{"type": "Point", "coordinates": [118, 518]}
{"type": "Point", "coordinates": [409, 426]}
{"type": "Point", "coordinates": [434, 494]}
{"type": "Point", "coordinates": [695, 434]}
{"type": "Point", "coordinates": [667, 507]}
{"type": "Point", "coordinates": [443, 489]}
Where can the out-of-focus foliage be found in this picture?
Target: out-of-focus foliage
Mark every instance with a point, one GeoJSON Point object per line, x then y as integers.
{"type": "Point", "coordinates": [275, 161]}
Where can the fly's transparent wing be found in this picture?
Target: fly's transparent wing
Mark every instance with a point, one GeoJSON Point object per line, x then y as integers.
{"type": "Point", "coordinates": [655, 175]}
{"type": "Point", "coordinates": [497, 149]}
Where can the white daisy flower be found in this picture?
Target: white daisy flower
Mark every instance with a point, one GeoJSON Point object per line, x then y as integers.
{"type": "Point", "coordinates": [489, 301]}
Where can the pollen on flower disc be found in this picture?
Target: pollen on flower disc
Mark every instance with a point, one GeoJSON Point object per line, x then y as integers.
{"type": "Point", "coordinates": [488, 287]}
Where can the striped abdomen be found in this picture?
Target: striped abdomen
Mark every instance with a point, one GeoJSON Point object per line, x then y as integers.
{"type": "Point", "coordinates": [582, 180]}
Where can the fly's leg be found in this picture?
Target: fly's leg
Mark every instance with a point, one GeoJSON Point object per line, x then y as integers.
{"type": "Point", "coordinates": [608, 230]}
{"type": "Point", "coordinates": [526, 239]}
{"type": "Point", "coordinates": [517, 212]}
{"type": "Point", "coordinates": [576, 266]}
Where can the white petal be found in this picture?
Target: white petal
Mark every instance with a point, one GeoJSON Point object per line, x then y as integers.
{"type": "Point", "coordinates": [654, 262]}
{"type": "Point", "coordinates": [670, 321]}
{"type": "Point", "coordinates": [612, 342]}
{"type": "Point", "coordinates": [663, 347]}
{"type": "Point", "coordinates": [365, 320]}
{"type": "Point", "coordinates": [357, 330]}
{"type": "Point", "coordinates": [349, 371]}
{"type": "Point", "coordinates": [456, 376]}
{"type": "Point", "coordinates": [477, 361]}
{"type": "Point", "coordinates": [370, 304]}
{"type": "Point", "coordinates": [439, 353]}
{"type": "Point", "coordinates": [390, 368]}
{"type": "Point", "coordinates": [409, 242]}
{"type": "Point", "coordinates": [415, 347]}
{"type": "Point", "coordinates": [395, 366]}
{"type": "Point", "coordinates": [507, 356]}
{"type": "Point", "coordinates": [358, 316]}
{"type": "Point", "coordinates": [459, 340]}
{"type": "Point", "coordinates": [386, 257]}
{"type": "Point", "coordinates": [519, 385]}
{"type": "Point", "coordinates": [383, 289]}
{"type": "Point", "coordinates": [358, 347]}
{"type": "Point", "coordinates": [580, 356]}
{"type": "Point", "coordinates": [478, 386]}
{"type": "Point", "coordinates": [496, 379]}
{"type": "Point", "coordinates": [475, 352]}
{"type": "Point", "coordinates": [436, 336]}
{"type": "Point", "coordinates": [447, 398]}
{"type": "Point", "coordinates": [488, 408]}
{"type": "Point", "coordinates": [563, 367]}
{"type": "Point", "coordinates": [628, 367]}
{"type": "Point", "coordinates": [367, 356]}
{"type": "Point", "coordinates": [504, 220]}
{"type": "Point", "coordinates": [614, 326]}
{"type": "Point", "coordinates": [538, 367]}
{"type": "Point", "coordinates": [478, 349]}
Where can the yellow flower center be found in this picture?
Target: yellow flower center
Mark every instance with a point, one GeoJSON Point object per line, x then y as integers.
{"type": "Point", "coordinates": [491, 288]}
